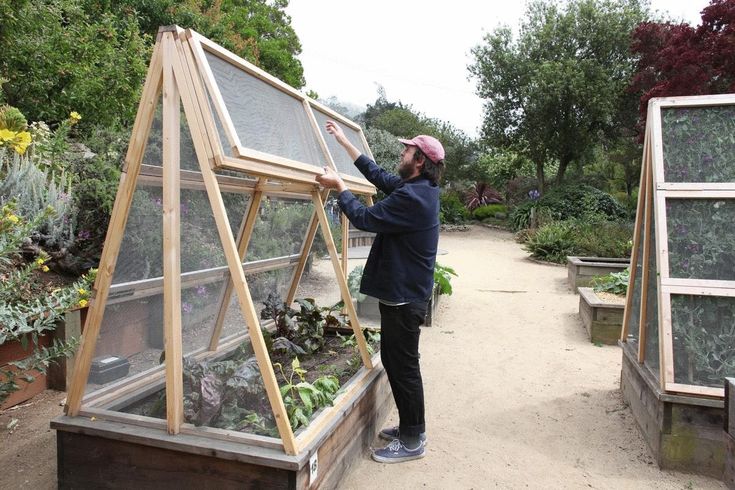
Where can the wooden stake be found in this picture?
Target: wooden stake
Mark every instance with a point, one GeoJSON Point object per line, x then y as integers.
{"type": "Point", "coordinates": [646, 265]}
{"type": "Point", "coordinates": [171, 241]}
{"type": "Point", "coordinates": [327, 233]}
{"type": "Point", "coordinates": [637, 237]}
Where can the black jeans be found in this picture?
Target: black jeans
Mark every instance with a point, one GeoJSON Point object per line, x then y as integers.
{"type": "Point", "coordinates": [399, 351]}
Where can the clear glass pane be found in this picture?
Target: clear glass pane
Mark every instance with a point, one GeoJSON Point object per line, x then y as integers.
{"type": "Point", "coordinates": [343, 161]}
{"type": "Point", "coordinates": [265, 118]}
{"type": "Point", "coordinates": [698, 144]}
{"type": "Point", "coordinates": [704, 339]}
{"type": "Point", "coordinates": [701, 238]}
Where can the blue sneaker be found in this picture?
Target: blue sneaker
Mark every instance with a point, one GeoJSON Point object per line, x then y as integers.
{"type": "Point", "coordinates": [396, 452]}
{"type": "Point", "coordinates": [391, 433]}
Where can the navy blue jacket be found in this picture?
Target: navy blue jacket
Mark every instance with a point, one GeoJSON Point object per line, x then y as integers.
{"type": "Point", "coordinates": [400, 267]}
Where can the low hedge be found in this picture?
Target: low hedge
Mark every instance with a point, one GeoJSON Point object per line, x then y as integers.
{"type": "Point", "coordinates": [554, 241]}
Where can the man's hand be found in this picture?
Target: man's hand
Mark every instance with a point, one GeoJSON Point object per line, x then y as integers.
{"type": "Point", "coordinates": [336, 131]}
{"type": "Point", "coordinates": [331, 180]}
{"type": "Point", "coordinates": [339, 135]}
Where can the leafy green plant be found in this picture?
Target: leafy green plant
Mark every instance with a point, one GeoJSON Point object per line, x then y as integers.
{"type": "Point", "coordinates": [613, 282]}
{"type": "Point", "coordinates": [312, 319]}
{"type": "Point", "coordinates": [443, 278]}
{"type": "Point", "coordinates": [302, 398]}
{"type": "Point", "coordinates": [552, 242]}
{"type": "Point", "coordinates": [353, 283]}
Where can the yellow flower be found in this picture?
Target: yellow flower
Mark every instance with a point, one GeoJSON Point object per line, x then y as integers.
{"type": "Point", "coordinates": [44, 268]}
{"type": "Point", "coordinates": [7, 135]}
{"type": "Point", "coordinates": [75, 117]}
{"type": "Point", "coordinates": [40, 261]}
{"type": "Point", "coordinates": [82, 292]}
{"type": "Point", "coordinates": [21, 142]}
{"type": "Point", "coordinates": [13, 218]}
{"type": "Point", "coordinates": [83, 302]}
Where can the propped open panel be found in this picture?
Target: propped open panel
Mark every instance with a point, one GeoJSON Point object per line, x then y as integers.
{"type": "Point", "coordinates": [266, 122]}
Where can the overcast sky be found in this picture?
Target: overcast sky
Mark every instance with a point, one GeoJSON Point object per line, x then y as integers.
{"type": "Point", "coordinates": [417, 50]}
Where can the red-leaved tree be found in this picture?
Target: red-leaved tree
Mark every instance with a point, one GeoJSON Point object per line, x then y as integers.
{"type": "Point", "coordinates": [677, 59]}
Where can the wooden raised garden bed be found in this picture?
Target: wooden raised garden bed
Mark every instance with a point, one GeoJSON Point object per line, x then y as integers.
{"type": "Point", "coordinates": [581, 270]}
{"type": "Point", "coordinates": [124, 450]}
{"type": "Point", "coordinates": [369, 307]}
{"type": "Point", "coordinates": [684, 433]}
{"type": "Point", "coordinates": [602, 318]}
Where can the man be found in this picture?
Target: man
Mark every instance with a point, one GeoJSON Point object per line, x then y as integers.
{"type": "Point", "coordinates": [399, 271]}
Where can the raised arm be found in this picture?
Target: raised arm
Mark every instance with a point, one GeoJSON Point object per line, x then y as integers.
{"type": "Point", "coordinates": [381, 179]}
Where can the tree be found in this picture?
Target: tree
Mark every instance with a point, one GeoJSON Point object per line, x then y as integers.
{"type": "Point", "coordinates": [91, 56]}
{"type": "Point", "coordinates": [557, 90]}
{"type": "Point", "coordinates": [677, 59]}
{"type": "Point", "coordinates": [403, 122]}
{"type": "Point", "coordinates": [258, 30]}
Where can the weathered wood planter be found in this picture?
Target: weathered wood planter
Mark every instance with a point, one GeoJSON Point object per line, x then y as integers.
{"type": "Point", "coordinates": [603, 320]}
{"type": "Point", "coordinates": [57, 372]}
{"type": "Point", "coordinates": [581, 270]}
{"type": "Point", "coordinates": [108, 451]}
{"type": "Point", "coordinates": [684, 433]}
{"type": "Point", "coordinates": [729, 428]}
{"type": "Point", "coordinates": [370, 308]}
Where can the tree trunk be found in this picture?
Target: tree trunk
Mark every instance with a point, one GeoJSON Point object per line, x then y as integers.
{"type": "Point", "coordinates": [563, 164]}
{"type": "Point", "coordinates": [540, 176]}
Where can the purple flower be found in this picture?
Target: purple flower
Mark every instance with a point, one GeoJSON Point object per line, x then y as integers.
{"type": "Point", "coordinates": [694, 248]}
{"type": "Point", "coordinates": [681, 229]}
{"type": "Point", "coordinates": [201, 291]}
{"type": "Point", "coordinates": [184, 208]}
{"type": "Point", "coordinates": [158, 201]}
{"type": "Point", "coordinates": [685, 264]}
{"type": "Point", "coordinates": [84, 235]}
{"type": "Point", "coordinates": [187, 307]}
{"type": "Point", "coordinates": [534, 195]}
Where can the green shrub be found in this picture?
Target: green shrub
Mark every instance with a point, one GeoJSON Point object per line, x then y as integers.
{"type": "Point", "coordinates": [489, 211]}
{"type": "Point", "coordinates": [33, 191]}
{"type": "Point", "coordinates": [451, 209]}
{"type": "Point", "coordinates": [554, 241]}
{"type": "Point", "coordinates": [570, 201]}
{"type": "Point", "coordinates": [60, 55]}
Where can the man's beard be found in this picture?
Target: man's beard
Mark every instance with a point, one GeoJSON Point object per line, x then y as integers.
{"type": "Point", "coordinates": [405, 170]}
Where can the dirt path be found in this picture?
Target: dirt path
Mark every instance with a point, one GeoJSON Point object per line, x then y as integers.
{"type": "Point", "coordinates": [517, 396]}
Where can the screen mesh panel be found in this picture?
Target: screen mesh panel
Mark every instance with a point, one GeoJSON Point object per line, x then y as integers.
{"type": "Point", "coordinates": [633, 326]}
{"type": "Point", "coordinates": [265, 118]}
{"type": "Point", "coordinates": [704, 335]}
{"type": "Point", "coordinates": [701, 238]}
{"type": "Point", "coordinates": [280, 228]}
{"type": "Point", "coordinates": [698, 145]}
{"type": "Point", "coordinates": [651, 358]}
{"type": "Point", "coordinates": [341, 159]}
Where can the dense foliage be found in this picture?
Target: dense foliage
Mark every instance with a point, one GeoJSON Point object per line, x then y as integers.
{"type": "Point", "coordinates": [92, 56]}
{"type": "Point", "coordinates": [677, 59]}
{"type": "Point", "coordinates": [553, 92]}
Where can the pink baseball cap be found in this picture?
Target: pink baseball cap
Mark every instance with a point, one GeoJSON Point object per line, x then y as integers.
{"type": "Point", "coordinates": [430, 146]}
